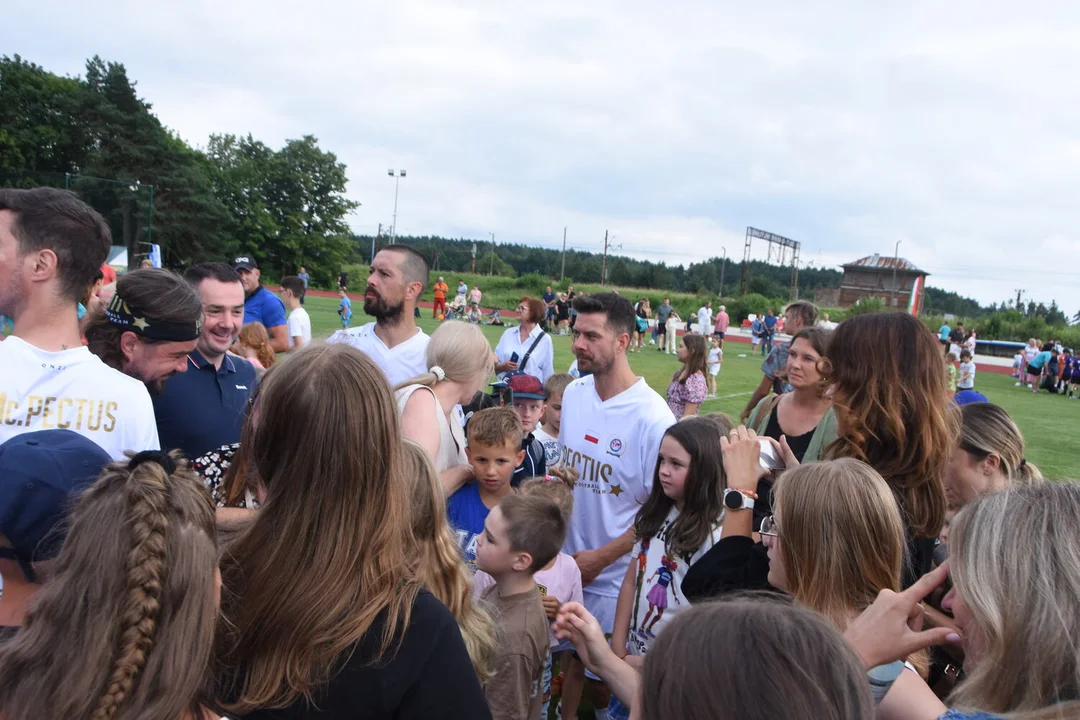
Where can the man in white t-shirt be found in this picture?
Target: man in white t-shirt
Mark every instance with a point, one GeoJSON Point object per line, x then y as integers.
{"type": "Point", "coordinates": [704, 318]}
{"type": "Point", "coordinates": [610, 431]}
{"type": "Point", "coordinates": [299, 322]}
{"type": "Point", "coordinates": [398, 276]}
{"type": "Point", "coordinates": [149, 327]}
{"type": "Point", "coordinates": [51, 248]}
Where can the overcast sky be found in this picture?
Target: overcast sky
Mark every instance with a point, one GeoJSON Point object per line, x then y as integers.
{"type": "Point", "coordinates": [952, 127]}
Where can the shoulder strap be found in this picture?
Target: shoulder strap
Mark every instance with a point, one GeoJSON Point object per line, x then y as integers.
{"type": "Point", "coordinates": [762, 412]}
{"type": "Point", "coordinates": [521, 365]}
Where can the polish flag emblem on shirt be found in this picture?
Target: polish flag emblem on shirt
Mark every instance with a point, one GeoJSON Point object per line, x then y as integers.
{"type": "Point", "coordinates": [590, 438]}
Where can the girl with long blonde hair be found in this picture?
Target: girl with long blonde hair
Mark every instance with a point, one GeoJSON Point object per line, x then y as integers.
{"type": "Point", "coordinates": [440, 568]}
{"type": "Point", "coordinates": [1014, 559]}
{"type": "Point", "coordinates": [835, 541]}
{"type": "Point", "coordinates": [322, 604]}
{"type": "Point", "coordinates": [124, 628]}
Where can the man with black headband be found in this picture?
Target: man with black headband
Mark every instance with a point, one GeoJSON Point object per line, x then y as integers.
{"type": "Point", "coordinates": [261, 305]}
{"type": "Point", "coordinates": [398, 276]}
{"type": "Point", "coordinates": [148, 328]}
{"type": "Point", "coordinates": [51, 248]}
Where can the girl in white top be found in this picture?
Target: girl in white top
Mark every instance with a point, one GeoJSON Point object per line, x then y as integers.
{"type": "Point", "coordinates": [460, 363]}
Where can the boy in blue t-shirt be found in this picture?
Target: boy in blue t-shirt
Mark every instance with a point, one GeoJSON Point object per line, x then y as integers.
{"type": "Point", "coordinates": [345, 308]}
{"type": "Point", "coordinates": [494, 451]}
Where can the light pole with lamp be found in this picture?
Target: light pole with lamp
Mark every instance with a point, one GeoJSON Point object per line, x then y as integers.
{"type": "Point", "coordinates": [397, 181]}
{"type": "Point", "coordinates": [723, 267]}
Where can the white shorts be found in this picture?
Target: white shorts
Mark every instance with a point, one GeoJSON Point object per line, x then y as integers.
{"type": "Point", "coordinates": [714, 370]}
{"type": "Point", "coordinates": [602, 608]}
{"type": "Point", "coordinates": [755, 340]}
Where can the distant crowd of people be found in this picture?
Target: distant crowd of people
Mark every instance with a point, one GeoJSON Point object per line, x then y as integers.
{"type": "Point", "coordinates": [371, 527]}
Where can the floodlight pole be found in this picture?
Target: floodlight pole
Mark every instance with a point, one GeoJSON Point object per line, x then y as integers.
{"type": "Point", "coordinates": [397, 182]}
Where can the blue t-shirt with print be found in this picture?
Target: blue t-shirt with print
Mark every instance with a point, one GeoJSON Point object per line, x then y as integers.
{"type": "Point", "coordinates": [467, 513]}
{"type": "Point", "coordinates": [770, 322]}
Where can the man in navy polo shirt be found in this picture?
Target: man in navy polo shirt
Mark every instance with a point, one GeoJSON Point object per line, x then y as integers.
{"type": "Point", "coordinates": [203, 408]}
{"type": "Point", "coordinates": [261, 305]}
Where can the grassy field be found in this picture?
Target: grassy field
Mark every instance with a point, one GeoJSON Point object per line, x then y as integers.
{"type": "Point", "coordinates": [1048, 422]}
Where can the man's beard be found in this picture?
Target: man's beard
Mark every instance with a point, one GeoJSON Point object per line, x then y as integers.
{"type": "Point", "coordinates": [383, 311]}
{"type": "Point", "coordinates": [596, 366]}
{"type": "Point", "coordinates": [157, 387]}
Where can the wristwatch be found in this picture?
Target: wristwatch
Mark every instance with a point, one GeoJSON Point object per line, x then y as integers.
{"type": "Point", "coordinates": [737, 499]}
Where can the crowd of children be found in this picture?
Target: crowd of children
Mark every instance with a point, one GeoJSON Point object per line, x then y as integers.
{"type": "Point", "coordinates": [1047, 366]}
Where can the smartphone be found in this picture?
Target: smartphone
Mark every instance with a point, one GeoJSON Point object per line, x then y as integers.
{"type": "Point", "coordinates": [770, 457]}
{"type": "Point", "coordinates": [514, 357]}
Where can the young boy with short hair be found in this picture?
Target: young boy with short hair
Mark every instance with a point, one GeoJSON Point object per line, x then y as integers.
{"type": "Point", "coordinates": [529, 398]}
{"type": "Point", "coordinates": [345, 308]}
{"type": "Point", "coordinates": [299, 322]}
{"type": "Point", "coordinates": [494, 450]}
{"type": "Point", "coordinates": [548, 433]}
{"type": "Point", "coordinates": [521, 535]}
{"type": "Point", "coordinates": [967, 372]}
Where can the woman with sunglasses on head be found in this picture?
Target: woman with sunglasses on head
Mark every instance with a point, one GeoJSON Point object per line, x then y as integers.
{"type": "Point", "coordinates": [526, 348]}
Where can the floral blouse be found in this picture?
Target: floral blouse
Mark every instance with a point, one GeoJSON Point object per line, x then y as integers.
{"type": "Point", "coordinates": [211, 468]}
{"type": "Point", "coordinates": [678, 394]}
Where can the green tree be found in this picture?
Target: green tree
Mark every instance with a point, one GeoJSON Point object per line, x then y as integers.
{"type": "Point", "coordinates": [287, 207]}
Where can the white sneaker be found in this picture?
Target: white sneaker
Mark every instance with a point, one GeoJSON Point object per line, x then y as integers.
{"type": "Point", "coordinates": [1019, 384]}
{"type": "Point", "coordinates": [652, 342]}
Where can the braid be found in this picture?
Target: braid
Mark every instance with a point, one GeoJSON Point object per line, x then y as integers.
{"type": "Point", "coordinates": [146, 518]}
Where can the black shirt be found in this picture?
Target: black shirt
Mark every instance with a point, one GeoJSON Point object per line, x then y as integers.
{"type": "Point", "coordinates": [430, 677]}
{"type": "Point", "coordinates": [734, 564]}
{"type": "Point", "coordinates": [797, 443]}
{"type": "Point", "coordinates": [533, 465]}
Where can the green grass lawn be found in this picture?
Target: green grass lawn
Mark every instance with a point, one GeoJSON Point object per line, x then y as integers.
{"type": "Point", "coordinates": [1048, 422]}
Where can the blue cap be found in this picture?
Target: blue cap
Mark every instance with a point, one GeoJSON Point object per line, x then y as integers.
{"type": "Point", "coordinates": [40, 474]}
{"type": "Point", "coordinates": [964, 397]}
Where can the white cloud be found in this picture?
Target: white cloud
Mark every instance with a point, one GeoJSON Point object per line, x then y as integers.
{"type": "Point", "coordinates": [951, 127]}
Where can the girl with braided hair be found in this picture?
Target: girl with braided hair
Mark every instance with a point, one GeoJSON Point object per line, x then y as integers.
{"type": "Point", "coordinates": [124, 629]}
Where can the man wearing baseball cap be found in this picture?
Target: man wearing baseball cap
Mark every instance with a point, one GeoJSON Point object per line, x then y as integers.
{"type": "Point", "coordinates": [41, 473]}
{"type": "Point", "coordinates": [261, 305]}
{"type": "Point", "coordinates": [528, 400]}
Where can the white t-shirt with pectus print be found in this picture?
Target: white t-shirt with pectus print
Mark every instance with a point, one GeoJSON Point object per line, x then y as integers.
{"type": "Point", "coordinates": [73, 390]}
{"type": "Point", "coordinates": [613, 445]}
